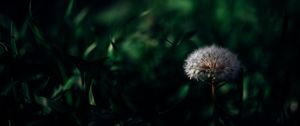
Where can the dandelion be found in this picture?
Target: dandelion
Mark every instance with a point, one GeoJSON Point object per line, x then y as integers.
{"type": "Point", "coordinates": [212, 63]}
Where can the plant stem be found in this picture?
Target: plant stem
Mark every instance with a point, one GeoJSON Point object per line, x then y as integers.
{"type": "Point", "coordinates": [213, 95]}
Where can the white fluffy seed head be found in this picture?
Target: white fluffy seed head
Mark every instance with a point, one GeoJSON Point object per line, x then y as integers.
{"type": "Point", "coordinates": [212, 62]}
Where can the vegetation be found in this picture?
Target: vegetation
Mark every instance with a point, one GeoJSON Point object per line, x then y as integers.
{"type": "Point", "coordinates": [120, 63]}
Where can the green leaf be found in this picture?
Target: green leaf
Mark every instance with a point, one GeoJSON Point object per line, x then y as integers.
{"type": "Point", "coordinates": [43, 101]}
{"type": "Point", "coordinates": [89, 50]}
{"type": "Point", "coordinates": [69, 98]}
{"type": "Point", "coordinates": [26, 92]}
{"type": "Point", "coordinates": [9, 25]}
{"type": "Point", "coordinates": [74, 80]}
{"type": "Point", "coordinates": [38, 36]}
{"type": "Point", "coordinates": [37, 32]}
{"type": "Point", "coordinates": [70, 83]}
{"type": "Point", "coordinates": [91, 95]}
{"type": "Point", "coordinates": [30, 8]}
{"type": "Point", "coordinates": [62, 71]}
{"type": "Point", "coordinates": [82, 14]}
{"type": "Point", "coordinates": [69, 9]}
{"type": "Point", "coordinates": [3, 48]}
{"type": "Point", "coordinates": [111, 50]}
{"type": "Point", "coordinates": [57, 91]}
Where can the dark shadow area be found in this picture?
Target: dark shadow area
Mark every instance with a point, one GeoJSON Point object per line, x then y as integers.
{"type": "Point", "coordinates": [120, 63]}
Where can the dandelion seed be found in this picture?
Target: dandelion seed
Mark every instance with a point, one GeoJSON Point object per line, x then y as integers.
{"type": "Point", "coordinates": [212, 63]}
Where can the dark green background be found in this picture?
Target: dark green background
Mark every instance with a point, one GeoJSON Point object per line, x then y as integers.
{"type": "Point", "coordinates": [120, 63]}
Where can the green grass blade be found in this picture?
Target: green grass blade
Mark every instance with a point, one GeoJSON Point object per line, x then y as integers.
{"type": "Point", "coordinates": [69, 9]}
{"type": "Point", "coordinates": [91, 95]}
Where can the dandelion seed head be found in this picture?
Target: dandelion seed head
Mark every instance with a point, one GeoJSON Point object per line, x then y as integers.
{"type": "Point", "coordinates": [212, 62]}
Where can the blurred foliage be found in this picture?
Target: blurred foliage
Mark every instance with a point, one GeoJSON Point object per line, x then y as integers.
{"type": "Point", "coordinates": [120, 63]}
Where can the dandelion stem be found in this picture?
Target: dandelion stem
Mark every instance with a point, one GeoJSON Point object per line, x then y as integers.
{"type": "Point", "coordinates": [213, 92]}
{"type": "Point", "coordinates": [213, 95]}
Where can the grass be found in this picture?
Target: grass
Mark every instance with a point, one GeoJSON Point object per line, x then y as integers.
{"type": "Point", "coordinates": [121, 63]}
